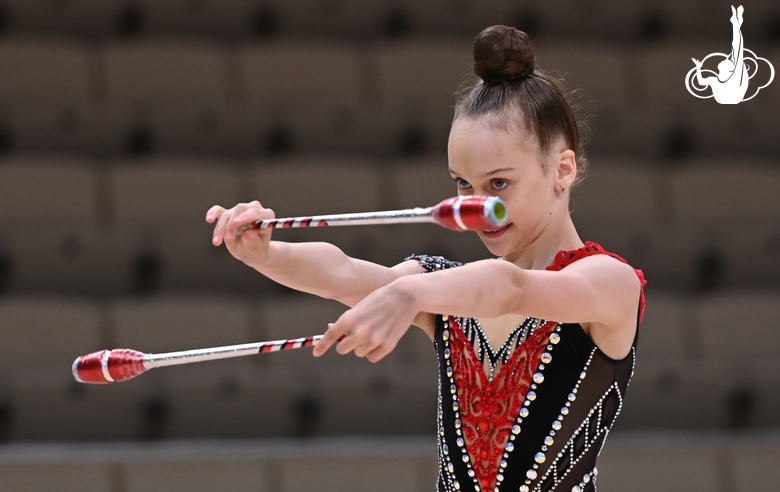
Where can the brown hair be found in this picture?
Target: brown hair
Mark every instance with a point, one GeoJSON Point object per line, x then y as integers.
{"type": "Point", "coordinates": [510, 85]}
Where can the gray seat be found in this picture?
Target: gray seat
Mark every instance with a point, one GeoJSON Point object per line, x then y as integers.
{"type": "Point", "coordinates": [54, 236]}
{"type": "Point", "coordinates": [64, 477]}
{"type": "Point", "coordinates": [595, 75]}
{"type": "Point", "coordinates": [739, 346]}
{"type": "Point", "coordinates": [339, 18]}
{"type": "Point", "coordinates": [303, 96]}
{"type": "Point", "coordinates": [46, 189]}
{"type": "Point", "coordinates": [174, 97]}
{"type": "Point", "coordinates": [465, 18]}
{"type": "Point", "coordinates": [230, 18]}
{"type": "Point", "coordinates": [670, 387]}
{"type": "Point", "coordinates": [726, 210]}
{"type": "Point", "coordinates": [160, 191]}
{"type": "Point", "coordinates": [48, 105]}
{"type": "Point", "coordinates": [196, 476]}
{"type": "Point", "coordinates": [91, 17]}
{"type": "Point", "coordinates": [416, 82]}
{"type": "Point", "coordinates": [644, 470]}
{"type": "Point", "coordinates": [602, 18]}
{"type": "Point", "coordinates": [164, 202]}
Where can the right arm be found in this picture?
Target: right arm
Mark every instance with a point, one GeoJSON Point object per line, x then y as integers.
{"type": "Point", "coordinates": [316, 268]}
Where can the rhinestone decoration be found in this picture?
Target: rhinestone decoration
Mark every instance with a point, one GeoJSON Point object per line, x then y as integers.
{"type": "Point", "coordinates": [524, 412]}
{"type": "Point", "coordinates": [591, 438]}
{"type": "Point", "coordinates": [466, 417]}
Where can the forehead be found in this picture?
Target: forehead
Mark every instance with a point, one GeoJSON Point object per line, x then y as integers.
{"type": "Point", "coordinates": [479, 144]}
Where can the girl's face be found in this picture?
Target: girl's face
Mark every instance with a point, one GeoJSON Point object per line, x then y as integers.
{"type": "Point", "coordinates": [485, 159]}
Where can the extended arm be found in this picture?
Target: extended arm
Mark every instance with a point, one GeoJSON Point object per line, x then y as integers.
{"type": "Point", "coordinates": [599, 290]}
{"type": "Point", "coordinates": [316, 268]}
{"type": "Point", "coordinates": [324, 270]}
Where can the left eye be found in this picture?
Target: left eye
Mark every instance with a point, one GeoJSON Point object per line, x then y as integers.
{"type": "Point", "coordinates": [499, 184]}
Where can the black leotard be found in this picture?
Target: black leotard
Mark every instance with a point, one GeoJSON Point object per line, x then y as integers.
{"type": "Point", "coordinates": [540, 423]}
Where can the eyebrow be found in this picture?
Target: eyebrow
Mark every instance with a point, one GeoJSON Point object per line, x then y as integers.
{"type": "Point", "coordinates": [491, 173]}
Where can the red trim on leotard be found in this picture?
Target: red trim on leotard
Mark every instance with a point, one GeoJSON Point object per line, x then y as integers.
{"type": "Point", "coordinates": [566, 257]}
{"type": "Point", "coordinates": [489, 408]}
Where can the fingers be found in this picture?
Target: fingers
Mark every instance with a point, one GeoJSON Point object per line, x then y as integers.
{"type": "Point", "coordinates": [362, 342]}
{"type": "Point", "coordinates": [214, 213]}
{"type": "Point", "coordinates": [331, 336]}
{"type": "Point", "coordinates": [248, 214]}
{"type": "Point", "coordinates": [229, 221]}
{"type": "Point", "coordinates": [219, 228]}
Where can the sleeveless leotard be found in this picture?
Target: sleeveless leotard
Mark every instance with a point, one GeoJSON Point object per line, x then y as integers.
{"type": "Point", "coordinates": [538, 420]}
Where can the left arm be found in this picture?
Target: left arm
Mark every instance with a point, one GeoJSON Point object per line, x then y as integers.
{"type": "Point", "coordinates": [599, 290]}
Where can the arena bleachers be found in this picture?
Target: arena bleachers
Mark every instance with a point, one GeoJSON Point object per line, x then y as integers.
{"type": "Point", "coordinates": [633, 461]}
{"type": "Point", "coordinates": [122, 122]}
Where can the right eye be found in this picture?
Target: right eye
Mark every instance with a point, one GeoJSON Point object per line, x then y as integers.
{"type": "Point", "coordinates": [462, 184]}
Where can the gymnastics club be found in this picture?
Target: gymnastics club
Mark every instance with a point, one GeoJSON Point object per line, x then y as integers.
{"type": "Point", "coordinates": [113, 366]}
{"type": "Point", "coordinates": [460, 213]}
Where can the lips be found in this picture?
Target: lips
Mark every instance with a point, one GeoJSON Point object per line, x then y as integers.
{"type": "Point", "coordinates": [494, 233]}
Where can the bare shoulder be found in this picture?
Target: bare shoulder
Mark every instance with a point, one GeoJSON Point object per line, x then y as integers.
{"type": "Point", "coordinates": [604, 270]}
{"type": "Point", "coordinates": [619, 282]}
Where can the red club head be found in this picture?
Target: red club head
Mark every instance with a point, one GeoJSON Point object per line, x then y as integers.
{"type": "Point", "coordinates": [108, 366]}
{"type": "Point", "coordinates": [471, 212]}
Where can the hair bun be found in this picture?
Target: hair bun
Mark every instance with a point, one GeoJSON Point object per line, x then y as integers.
{"type": "Point", "coordinates": [502, 53]}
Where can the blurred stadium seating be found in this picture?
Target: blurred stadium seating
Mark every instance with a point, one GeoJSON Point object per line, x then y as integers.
{"type": "Point", "coordinates": [121, 122]}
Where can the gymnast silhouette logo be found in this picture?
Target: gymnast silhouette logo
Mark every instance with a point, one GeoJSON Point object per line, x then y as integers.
{"type": "Point", "coordinates": [730, 84]}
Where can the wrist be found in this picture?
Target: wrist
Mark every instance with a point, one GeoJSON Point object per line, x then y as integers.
{"type": "Point", "coordinates": [408, 291]}
{"type": "Point", "coordinates": [264, 261]}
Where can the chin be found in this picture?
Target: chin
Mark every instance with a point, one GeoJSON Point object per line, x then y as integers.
{"type": "Point", "coordinates": [497, 248]}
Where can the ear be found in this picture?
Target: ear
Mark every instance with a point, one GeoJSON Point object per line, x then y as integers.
{"type": "Point", "coordinates": [565, 169]}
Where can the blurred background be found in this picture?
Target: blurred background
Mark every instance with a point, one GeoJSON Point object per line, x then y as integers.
{"type": "Point", "coordinates": [122, 121]}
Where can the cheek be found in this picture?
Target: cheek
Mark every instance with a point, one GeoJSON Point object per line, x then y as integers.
{"type": "Point", "coordinates": [528, 205]}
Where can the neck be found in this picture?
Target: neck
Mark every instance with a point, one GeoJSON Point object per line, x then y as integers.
{"type": "Point", "coordinates": [559, 233]}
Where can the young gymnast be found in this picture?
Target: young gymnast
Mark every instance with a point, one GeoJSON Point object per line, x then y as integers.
{"type": "Point", "coordinates": [536, 347]}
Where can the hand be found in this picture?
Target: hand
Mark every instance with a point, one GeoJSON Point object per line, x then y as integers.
{"type": "Point", "coordinates": [373, 327]}
{"type": "Point", "coordinates": [251, 246]}
{"type": "Point", "coordinates": [697, 62]}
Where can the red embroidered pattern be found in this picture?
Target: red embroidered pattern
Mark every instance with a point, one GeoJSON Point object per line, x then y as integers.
{"type": "Point", "coordinates": [566, 257]}
{"type": "Point", "coordinates": [489, 408]}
